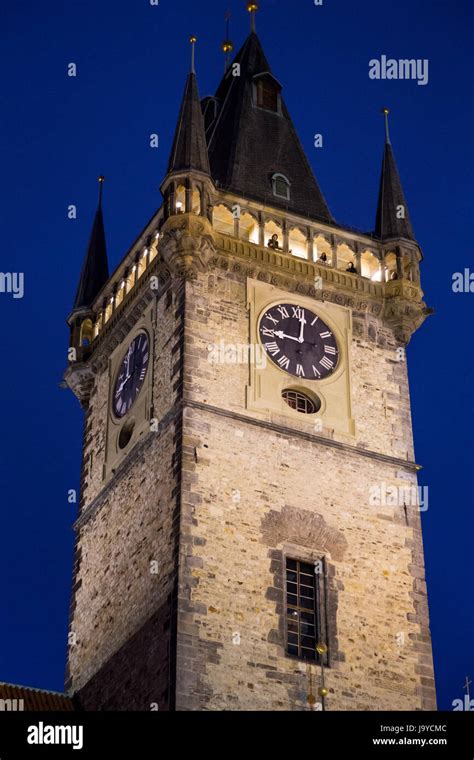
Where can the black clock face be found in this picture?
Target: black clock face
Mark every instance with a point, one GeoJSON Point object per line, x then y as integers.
{"type": "Point", "coordinates": [131, 376]}
{"type": "Point", "coordinates": [298, 341]}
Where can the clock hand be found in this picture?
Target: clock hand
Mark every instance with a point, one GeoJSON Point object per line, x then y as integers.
{"type": "Point", "coordinates": [281, 334]}
{"type": "Point", "coordinates": [303, 322]}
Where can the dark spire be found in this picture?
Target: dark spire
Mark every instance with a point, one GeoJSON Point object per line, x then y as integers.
{"type": "Point", "coordinates": [249, 144]}
{"type": "Point", "coordinates": [189, 150]}
{"type": "Point", "coordinates": [393, 218]}
{"type": "Point", "coordinates": [95, 270]}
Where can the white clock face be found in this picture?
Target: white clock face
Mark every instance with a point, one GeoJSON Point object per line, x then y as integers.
{"type": "Point", "coordinates": [298, 341]}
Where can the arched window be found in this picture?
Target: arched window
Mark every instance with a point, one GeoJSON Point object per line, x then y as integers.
{"type": "Point", "coordinates": [281, 186]}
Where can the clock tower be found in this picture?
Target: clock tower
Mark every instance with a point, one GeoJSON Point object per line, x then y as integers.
{"type": "Point", "coordinates": [249, 532]}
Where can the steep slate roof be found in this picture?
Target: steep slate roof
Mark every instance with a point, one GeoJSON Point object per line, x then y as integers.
{"type": "Point", "coordinates": [37, 700]}
{"type": "Point", "coordinates": [247, 145]}
{"type": "Point", "coordinates": [189, 150]}
{"type": "Point", "coordinates": [95, 270]}
{"type": "Point", "coordinates": [391, 196]}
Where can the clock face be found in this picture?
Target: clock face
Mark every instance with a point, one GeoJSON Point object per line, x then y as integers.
{"type": "Point", "coordinates": [131, 375]}
{"type": "Point", "coordinates": [298, 341]}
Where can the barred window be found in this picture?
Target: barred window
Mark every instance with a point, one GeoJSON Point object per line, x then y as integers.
{"type": "Point", "coordinates": [300, 402]}
{"type": "Point", "coordinates": [303, 604]}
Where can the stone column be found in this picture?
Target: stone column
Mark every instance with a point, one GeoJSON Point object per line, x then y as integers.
{"type": "Point", "coordinates": [310, 244]}
{"type": "Point", "coordinates": [334, 252]}
{"type": "Point", "coordinates": [286, 236]}
{"type": "Point", "coordinates": [399, 264]}
{"type": "Point", "coordinates": [189, 197]}
{"type": "Point", "coordinates": [261, 229]}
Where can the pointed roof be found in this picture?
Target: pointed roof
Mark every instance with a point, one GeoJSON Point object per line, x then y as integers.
{"type": "Point", "coordinates": [95, 270]}
{"type": "Point", "coordinates": [391, 198]}
{"type": "Point", "coordinates": [248, 145]}
{"type": "Point", "coordinates": [189, 150]}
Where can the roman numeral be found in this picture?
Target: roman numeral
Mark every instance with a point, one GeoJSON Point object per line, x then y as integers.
{"type": "Point", "coordinates": [145, 358]}
{"type": "Point", "coordinates": [326, 363]}
{"type": "Point", "coordinates": [316, 371]}
{"type": "Point", "coordinates": [300, 371]}
{"type": "Point", "coordinates": [325, 334]}
{"type": "Point", "coordinates": [330, 350]}
{"type": "Point", "coordinates": [272, 348]}
{"type": "Point", "coordinates": [298, 312]}
{"type": "Point", "coordinates": [268, 333]}
{"type": "Point", "coordinates": [272, 319]}
{"type": "Point", "coordinates": [284, 362]}
{"type": "Point", "coordinates": [283, 312]}
{"type": "Point", "coordinates": [142, 373]}
{"type": "Point", "coordinates": [314, 321]}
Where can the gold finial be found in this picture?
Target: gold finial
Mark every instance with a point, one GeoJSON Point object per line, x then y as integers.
{"type": "Point", "coordinates": [321, 649]}
{"type": "Point", "coordinates": [227, 45]}
{"type": "Point", "coordinates": [193, 40]}
{"type": "Point", "coordinates": [252, 9]}
{"type": "Point", "coordinates": [322, 691]}
{"type": "Point", "coordinates": [386, 112]}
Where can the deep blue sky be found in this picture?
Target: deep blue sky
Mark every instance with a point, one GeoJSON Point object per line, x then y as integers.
{"type": "Point", "coordinates": [57, 134]}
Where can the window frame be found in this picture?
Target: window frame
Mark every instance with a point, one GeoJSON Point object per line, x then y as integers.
{"type": "Point", "coordinates": [275, 178]}
{"type": "Point", "coordinates": [320, 609]}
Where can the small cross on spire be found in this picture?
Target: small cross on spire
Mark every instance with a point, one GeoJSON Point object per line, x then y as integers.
{"type": "Point", "coordinates": [386, 112]}
{"type": "Point", "coordinates": [193, 41]}
{"type": "Point", "coordinates": [101, 184]}
{"type": "Point", "coordinates": [467, 684]}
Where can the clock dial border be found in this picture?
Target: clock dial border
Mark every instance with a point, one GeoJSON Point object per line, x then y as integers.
{"type": "Point", "coordinates": [121, 418]}
{"type": "Point", "coordinates": [337, 342]}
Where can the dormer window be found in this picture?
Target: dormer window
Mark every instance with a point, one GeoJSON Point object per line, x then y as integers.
{"type": "Point", "coordinates": [267, 92]}
{"type": "Point", "coordinates": [267, 96]}
{"type": "Point", "coordinates": [281, 186]}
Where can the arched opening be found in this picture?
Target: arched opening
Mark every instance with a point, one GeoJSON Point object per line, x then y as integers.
{"type": "Point", "coordinates": [298, 243]}
{"type": "Point", "coordinates": [273, 235]}
{"type": "Point", "coordinates": [370, 266]}
{"type": "Point", "coordinates": [322, 251]}
{"type": "Point", "coordinates": [248, 226]}
{"type": "Point", "coordinates": [180, 199]}
{"type": "Point", "coordinates": [87, 332]}
{"type": "Point", "coordinates": [407, 267]}
{"type": "Point", "coordinates": [345, 257]}
{"type": "Point", "coordinates": [390, 267]}
{"type": "Point", "coordinates": [223, 220]}
{"type": "Point", "coordinates": [196, 201]}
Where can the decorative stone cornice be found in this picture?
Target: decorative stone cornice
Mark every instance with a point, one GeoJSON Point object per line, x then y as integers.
{"type": "Point", "coordinates": [79, 377]}
{"type": "Point", "coordinates": [187, 244]}
{"type": "Point", "coordinates": [404, 309]}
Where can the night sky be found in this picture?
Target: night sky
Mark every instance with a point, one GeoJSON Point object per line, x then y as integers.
{"type": "Point", "coordinates": [58, 133]}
